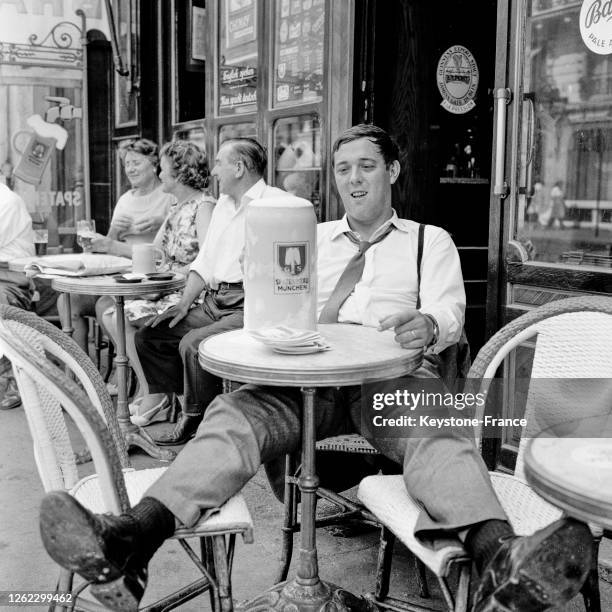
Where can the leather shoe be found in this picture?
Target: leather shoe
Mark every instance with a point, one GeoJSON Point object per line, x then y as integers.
{"type": "Point", "coordinates": [99, 547]}
{"type": "Point", "coordinates": [536, 572]}
{"type": "Point", "coordinates": [183, 431]}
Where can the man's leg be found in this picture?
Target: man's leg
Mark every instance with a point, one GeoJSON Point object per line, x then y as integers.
{"type": "Point", "coordinates": [445, 474]}
{"type": "Point", "coordinates": [158, 351]}
{"type": "Point", "coordinates": [239, 431]}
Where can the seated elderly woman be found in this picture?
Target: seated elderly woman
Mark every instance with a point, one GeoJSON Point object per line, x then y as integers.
{"type": "Point", "coordinates": [136, 219]}
{"type": "Point", "coordinates": [184, 174]}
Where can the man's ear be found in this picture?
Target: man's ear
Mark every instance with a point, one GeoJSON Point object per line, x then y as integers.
{"type": "Point", "coordinates": [394, 171]}
{"type": "Point", "coordinates": [240, 169]}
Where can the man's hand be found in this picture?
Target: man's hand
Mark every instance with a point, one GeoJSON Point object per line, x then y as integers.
{"type": "Point", "coordinates": [177, 313]}
{"type": "Point", "coordinates": [147, 224]}
{"type": "Point", "coordinates": [412, 328]}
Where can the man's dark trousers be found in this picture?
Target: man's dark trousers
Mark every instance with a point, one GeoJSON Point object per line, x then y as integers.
{"type": "Point", "coordinates": [169, 356]}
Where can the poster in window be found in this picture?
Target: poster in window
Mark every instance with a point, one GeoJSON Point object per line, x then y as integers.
{"type": "Point", "coordinates": [238, 57]}
{"type": "Point", "coordinates": [196, 35]}
{"type": "Point", "coordinates": [241, 22]}
{"type": "Point", "coordinates": [298, 51]}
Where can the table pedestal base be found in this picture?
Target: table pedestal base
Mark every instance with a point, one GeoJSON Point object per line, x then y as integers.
{"type": "Point", "coordinates": [292, 596]}
{"type": "Point", "coordinates": [140, 438]}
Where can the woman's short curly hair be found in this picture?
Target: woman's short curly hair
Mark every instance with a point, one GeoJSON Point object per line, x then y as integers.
{"type": "Point", "coordinates": [189, 163]}
{"type": "Point", "coordinates": [143, 146]}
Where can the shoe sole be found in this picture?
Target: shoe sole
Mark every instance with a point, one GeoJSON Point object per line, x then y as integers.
{"type": "Point", "coordinates": [166, 442]}
{"type": "Point", "coordinates": [551, 575]}
{"type": "Point", "coordinates": [70, 537]}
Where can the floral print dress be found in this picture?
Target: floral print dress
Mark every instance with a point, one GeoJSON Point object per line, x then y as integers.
{"type": "Point", "coordinates": [180, 243]}
{"type": "Point", "coordinates": [180, 246]}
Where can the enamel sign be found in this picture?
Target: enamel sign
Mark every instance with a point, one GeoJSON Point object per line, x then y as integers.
{"type": "Point", "coordinates": [595, 26]}
{"type": "Point", "coordinates": [457, 77]}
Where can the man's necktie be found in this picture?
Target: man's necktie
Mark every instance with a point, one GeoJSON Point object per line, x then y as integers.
{"type": "Point", "coordinates": [349, 278]}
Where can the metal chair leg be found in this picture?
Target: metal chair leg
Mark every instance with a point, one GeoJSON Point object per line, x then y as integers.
{"type": "Point", "coordinates": [64, 585]}
{"type": "Point", "coordinates": [222, 573]}
{"type": "Point", "coordinates": [289, 520]}
{"type": "Point", "coordinates": [421, 577]}
{"type": "Point", "coordinates": [462, 596]}
{"type": "Point", "coordinates": [383, 566]}
{"type": "Point", "coordinates": [590, 589]}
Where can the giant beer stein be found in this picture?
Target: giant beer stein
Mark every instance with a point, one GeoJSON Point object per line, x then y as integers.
{"type": "Point", "coordinates": [280, 266]}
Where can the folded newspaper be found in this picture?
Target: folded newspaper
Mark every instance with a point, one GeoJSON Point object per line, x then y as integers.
{"type": "Point", "coordinates": [78, 264]}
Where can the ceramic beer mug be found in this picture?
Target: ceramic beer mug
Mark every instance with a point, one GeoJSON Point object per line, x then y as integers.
{"type": "Point", "coordinates": [38, 149]}
{"type": "Point", "coordinates": [280, 265]}
{"type": "Point", "coordinates": [146, 258]}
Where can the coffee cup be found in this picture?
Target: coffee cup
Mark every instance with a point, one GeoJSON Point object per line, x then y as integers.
{"type": "Point", "coordinates": [146, 258]}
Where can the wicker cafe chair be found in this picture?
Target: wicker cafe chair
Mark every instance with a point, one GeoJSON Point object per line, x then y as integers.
{"type": "Point", "coordinates": [48, 394]}
{"type": "Point", "coordinates": [573, 341]}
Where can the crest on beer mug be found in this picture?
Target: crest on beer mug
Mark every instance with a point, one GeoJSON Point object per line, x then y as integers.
{"type": "Point", "coordinates": [291, 268]}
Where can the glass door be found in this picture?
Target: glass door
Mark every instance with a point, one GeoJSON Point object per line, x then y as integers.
{"type": "Point", "coordinates": [561, 184]}
{"type": "Point", "coordinates": [553, 173]}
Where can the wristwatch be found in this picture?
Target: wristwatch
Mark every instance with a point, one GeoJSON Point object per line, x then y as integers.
{"type": "Point", "coordinates": [436, 330]}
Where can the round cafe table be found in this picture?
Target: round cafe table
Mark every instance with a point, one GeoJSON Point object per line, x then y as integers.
{"type": "Point", "coordinates": [107, 285]}
{"type": "Point", "coordinates": [358, 354]}
{"type": "Point", "coordinates": [570, 465]}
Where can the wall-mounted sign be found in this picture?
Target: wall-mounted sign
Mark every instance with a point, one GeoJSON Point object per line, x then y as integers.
{"type": "Point", "coordinates": [457, 77]}
{"type": "Point", "coordinates": [595, 16]}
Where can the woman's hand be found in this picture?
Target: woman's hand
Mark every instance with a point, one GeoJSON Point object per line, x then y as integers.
{"type": "Point", "coordinates": [122, 222]}
{"type": "Point", "coordinates": [148, 224]}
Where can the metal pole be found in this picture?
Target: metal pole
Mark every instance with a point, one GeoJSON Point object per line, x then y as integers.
{"type": "Point", "coordinates": [85, 116]}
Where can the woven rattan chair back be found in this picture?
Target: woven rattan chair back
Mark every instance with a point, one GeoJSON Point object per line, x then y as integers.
{"type": "Point", "coordinates": [47, 393]}
{"type": "Point", "coordinates": [573, 339]}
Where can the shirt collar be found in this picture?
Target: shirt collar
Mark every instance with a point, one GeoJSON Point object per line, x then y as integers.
{"type": "Point", "coordinates": [343, 226]}
{"type": "Point", "coordinates": [254, 192]}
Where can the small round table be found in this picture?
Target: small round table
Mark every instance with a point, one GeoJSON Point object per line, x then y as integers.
{"type": "Point", "coordinates": [358, 354]}
{"type": "Point", "coordinates": [570, 466]}
{"type": "Point", "coordinates": [106, 285]}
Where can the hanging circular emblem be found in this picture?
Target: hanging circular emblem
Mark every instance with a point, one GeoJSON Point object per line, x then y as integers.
{"type": "Point", "coordinates": [457, 76]}
{"type": "Point", "coordinates": [595, 26]}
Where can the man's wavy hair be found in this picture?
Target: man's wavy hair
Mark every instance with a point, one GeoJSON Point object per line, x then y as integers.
{"type": "Point", "coordinates": [385, 144]}
{"type": "Point", "coordinates": [143, 146]}
{"type": "Point", "coordinates": [189, 163]}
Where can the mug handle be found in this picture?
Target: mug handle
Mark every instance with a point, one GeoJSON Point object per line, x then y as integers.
{"type": "Point", "coordinates": [161, 260]}
{"type": "Point", "coordinates": [16, 136]}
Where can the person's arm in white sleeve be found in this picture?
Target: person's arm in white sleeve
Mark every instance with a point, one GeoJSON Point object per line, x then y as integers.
{"type": "Point", "coordinates": [442, 290]}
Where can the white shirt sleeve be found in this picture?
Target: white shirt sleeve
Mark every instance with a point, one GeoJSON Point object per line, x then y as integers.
{"type": "Point", "coordinates": [442, 291]}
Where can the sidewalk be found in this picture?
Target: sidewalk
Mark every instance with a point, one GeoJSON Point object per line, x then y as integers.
{"type": "Point", "coordinates": [349, 562]}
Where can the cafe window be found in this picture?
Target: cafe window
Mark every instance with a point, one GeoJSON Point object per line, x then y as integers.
{"type": "Point", "coordinates": [238, 57]}
{"type": "Point", "coordinates": [297, 157]}
{"type": "Point", "coordinates": [196, 135]}
{"type": "Point", "coordinates": [126, 87]}
{"type": "Point", "coordinates": [237, 130]}
{"type": "Point", "coordinates": [564, 210]}
{"type": "Point", "coordinates": [298, 51]}
{"type": "Point", "coordinates": [189, 60]}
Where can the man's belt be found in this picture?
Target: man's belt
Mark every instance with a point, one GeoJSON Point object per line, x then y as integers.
{"type": "Point", "coordinates": [230, 286]}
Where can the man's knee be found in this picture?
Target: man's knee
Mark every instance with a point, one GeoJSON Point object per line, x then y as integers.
{"type": "Point", "coordinates": [189, 345]}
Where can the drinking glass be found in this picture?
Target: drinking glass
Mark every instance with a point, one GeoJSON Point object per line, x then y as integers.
{"type": "Point", "coordinates": [86, 232]}
{"type": "Point", "coordinates": [41, 238]}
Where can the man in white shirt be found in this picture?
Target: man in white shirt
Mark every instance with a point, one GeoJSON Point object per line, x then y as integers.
{"type": "Point", "coordinates": [444, 473]}
{"type": "Point", "coordinates": [168, 348]}
{"type": "Point", "coordinates": [16, 240]}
